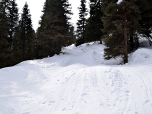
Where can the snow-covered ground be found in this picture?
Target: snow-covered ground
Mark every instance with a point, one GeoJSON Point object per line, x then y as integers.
{"type": "Point", "coordinates": [79, 81]}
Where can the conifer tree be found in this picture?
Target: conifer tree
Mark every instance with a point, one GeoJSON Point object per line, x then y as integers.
{"type": "Point", "coordinates": [4, 50]}
{"type": "Point", "coordinates": [105, 3]}
{"type": "Point", "coordinates": [145, 6]}
{"type": "Point", "coordinates": [24, 37]}
{"type": "Point", "coordinates": [13, 21]}
{"type": "Point", "coordinates": [28, 34]}
{"type": "Point", "coordinates": [81, 23]}
{"type": "Point", "coordinates": [94, 23]}
{"type": "Point", "coordinates": [119, 19]}
{"type": "Point", "coordinates": [53, 30]}
{"type": "Point", "coordinates": [18, 45]}
{"type": "Point", "coordinates": [71, 37]}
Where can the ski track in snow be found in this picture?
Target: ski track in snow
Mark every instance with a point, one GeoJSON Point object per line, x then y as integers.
{"type": "Point", "coordinates": [68, 86]}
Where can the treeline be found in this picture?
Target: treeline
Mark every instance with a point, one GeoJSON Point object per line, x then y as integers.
{"type": "Point", "coordinates": [19, 41]}
{"type": "Point", "coordinates": [118, 26]}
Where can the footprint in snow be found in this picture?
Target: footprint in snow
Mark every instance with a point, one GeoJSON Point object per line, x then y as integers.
{"type": "Point", "coordinates": [64, 109]}
{"type": "Point", "coordinates": [26, 113]}
{"type": "Point", "coordinates": [51, 102]}
{"type": "Point", "coordinates": [127, 91]}
{"type": "Point", "coordinates": [83, 94]}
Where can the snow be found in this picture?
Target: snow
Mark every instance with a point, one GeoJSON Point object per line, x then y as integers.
{"type": "Point", "coordinates": [119, 1]}
{"type": "Point", "coordinates": [79, 81]}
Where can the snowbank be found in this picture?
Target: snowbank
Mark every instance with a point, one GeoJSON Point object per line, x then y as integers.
{"type": "Point", "coordinates": [141, 56]}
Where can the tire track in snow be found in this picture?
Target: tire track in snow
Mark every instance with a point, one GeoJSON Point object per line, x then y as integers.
{"type": "Point", "coordinates": [139, 94]}
{"type": "Point", "coordinates": [77, 87]}
{"type": "Point", "coordinates": [2, 112]}
{"type": "Point", "coordinates": [120, 91]}
{"type": "Point", "coordinates": [81, 93]}
{"type": "Point", "coordinates": [148, 100]}
{"type": "Point", "coordinates": [147, 89]}
{"type": "Point", "coordinates": [72, 87]}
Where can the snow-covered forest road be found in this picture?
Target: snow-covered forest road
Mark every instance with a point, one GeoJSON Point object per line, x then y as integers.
{"type": "Point", "coordinates": [78, 82]}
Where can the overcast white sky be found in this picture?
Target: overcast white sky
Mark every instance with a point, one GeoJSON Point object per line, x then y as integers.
{"type": "Point", "coordinates": [36, 7]}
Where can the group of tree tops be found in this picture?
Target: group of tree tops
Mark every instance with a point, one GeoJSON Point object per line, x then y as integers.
{"type": "Point", "coordinates": [118, 26]}
{"type": "Point", "coordinates": [19, 41]}
{"type": "Point", "coordinates": [16, 36]}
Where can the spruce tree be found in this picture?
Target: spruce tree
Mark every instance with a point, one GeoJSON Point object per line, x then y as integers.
{"type": "Point", "coordinates": [53, 30]}
{"type": "Point", "coordinates": [71, 37]}
{"type": "Point", "coordinates": [4, 47]}
{"type": "Point", "coordinates": [118, 21]}
{"type": "Point", "coordinates": [13, 21]}
{"type": "Point", "coordinates": [81, 23]}
{"type": "Point", "coordinates": [145, 6]}
{"type": "Point", "coordinates": [24, 40]}
{"type": "Point", "coordinates": [18, 45]}
{"type": "Point", "coordinates": [94, 23]}
{"type": "Point", "coordinates": [28, 34]}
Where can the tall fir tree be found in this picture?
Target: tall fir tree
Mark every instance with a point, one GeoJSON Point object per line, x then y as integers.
{"type": "Point", "coordinates": [4, 46]}
{"type": "Point", "coordinates": [24, 40]}
{"type": "Point", "coordinates": [13, 16]}
{"type": "Point", "coordinates": [105, 4]}
{"type": "Point", "coordinates": [81, 23]}
{"type": "Point", "coordinates": [94, 23]}
{"type": "Point", "coordinates": [145, 6]}
{"type": "Point", "coordinates": [71, 37]}
{"type": "Point", "coordinates": [54, 26]}
{"type": "Point", "coordinates": [119, 19]}
{"type": "Point", "coordinates": [18, 45]}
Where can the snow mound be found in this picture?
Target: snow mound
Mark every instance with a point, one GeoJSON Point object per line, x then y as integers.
{"type": "Point", "coordinates": [89, 54]}
{"type": "Point", "coordinates": [85, 54]}
{"type": "Point", "coordinates": [141, 56]}
{"type": "Point", "coordinates": [92, 54]}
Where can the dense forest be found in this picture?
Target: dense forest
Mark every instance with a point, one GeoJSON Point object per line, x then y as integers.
{"type": "Point", "coordinates": [117, 25]}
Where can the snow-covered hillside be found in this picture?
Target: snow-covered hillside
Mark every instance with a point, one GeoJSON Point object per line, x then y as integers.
{"type": "Point", "coordinates": [79, 81]}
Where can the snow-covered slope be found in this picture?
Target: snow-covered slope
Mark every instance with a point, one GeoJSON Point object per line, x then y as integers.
{"type": "Point", "coordinates": [79, 81]}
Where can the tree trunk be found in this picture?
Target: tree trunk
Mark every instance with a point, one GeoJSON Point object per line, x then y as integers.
{"type": "Point", "coordinates": [131, 43]}
{"type": "Point", "coordinates": [125, 42]}
{"type": "Point", "coordinates": [83, 39]}
{"type": "Point", "coordinates": [23, 48]}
